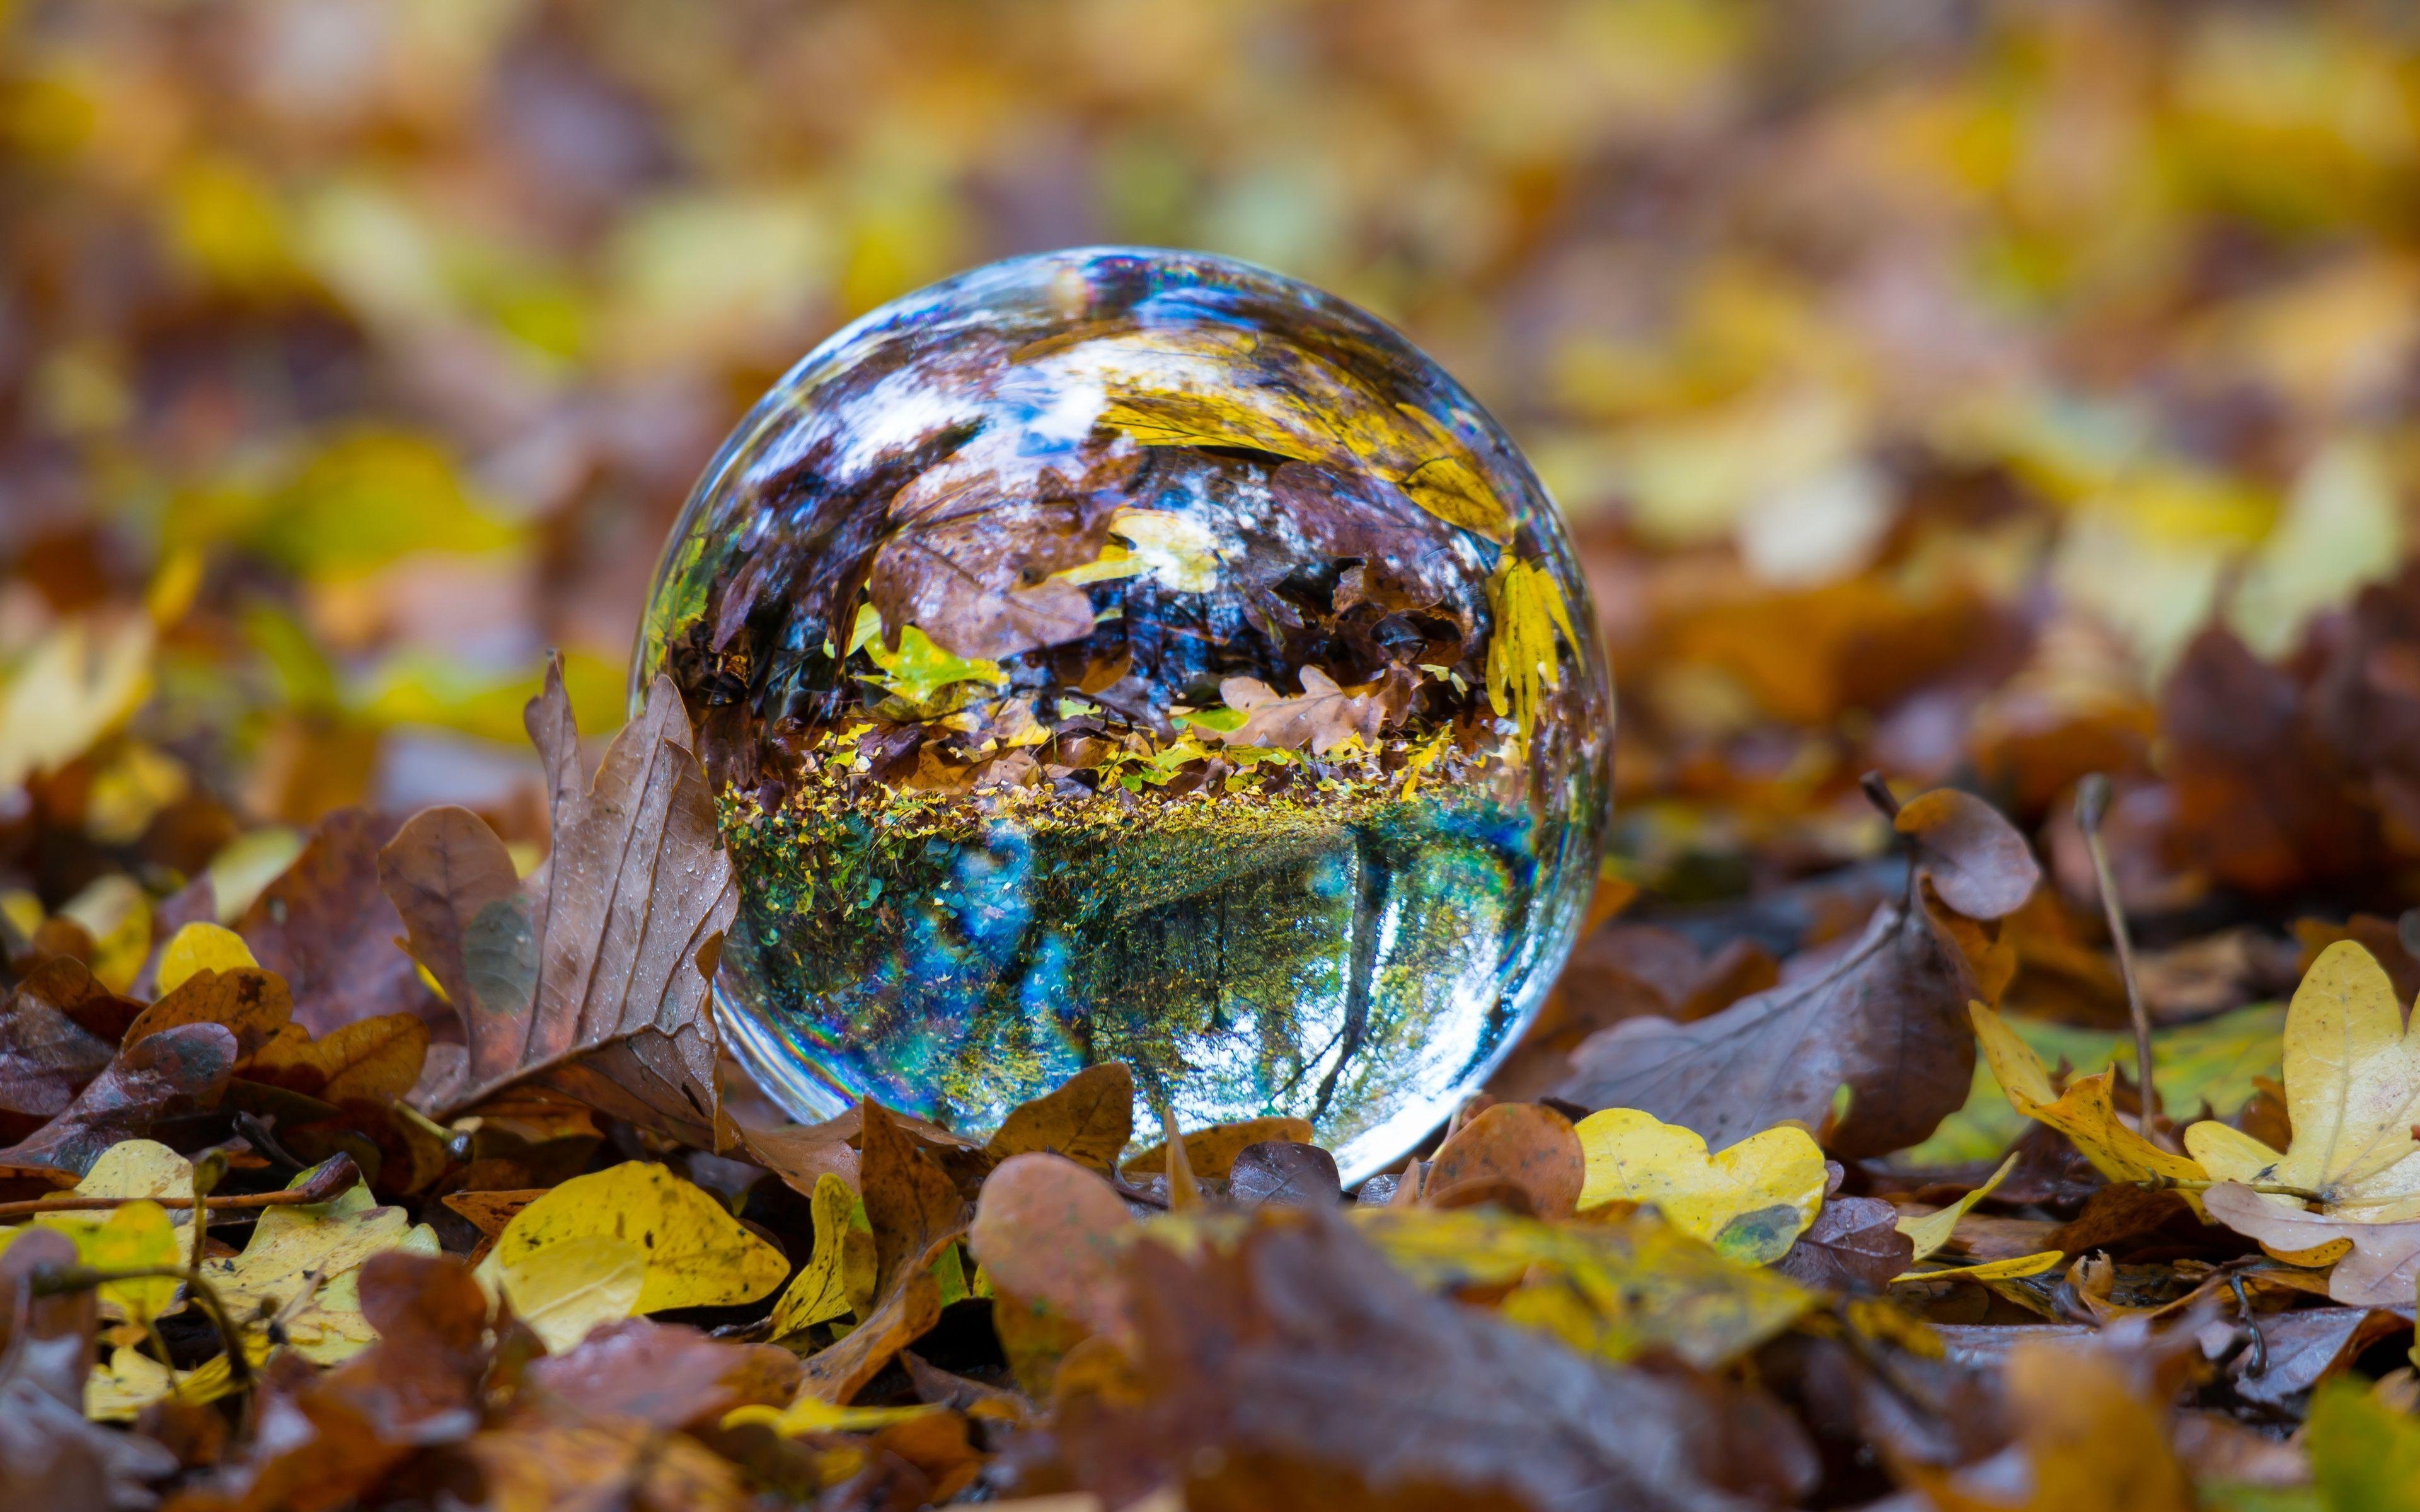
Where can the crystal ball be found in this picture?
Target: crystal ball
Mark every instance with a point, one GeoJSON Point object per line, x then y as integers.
{"type": "Point", "coordinates": [1136, 656]}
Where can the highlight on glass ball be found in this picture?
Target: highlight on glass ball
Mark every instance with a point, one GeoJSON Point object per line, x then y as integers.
{"type": "Point", "coordinates": [1132, 655]}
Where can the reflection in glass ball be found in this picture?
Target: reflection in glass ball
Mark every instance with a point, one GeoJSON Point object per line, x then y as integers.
{"type": "Point", "coordinates": [1135, 656]}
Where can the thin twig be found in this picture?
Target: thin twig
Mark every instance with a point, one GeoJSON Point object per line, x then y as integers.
{"type": "Point", "coordinates": [330, 1179]}
{"type": "Point", "coordinates": [2092, 808]}
{"type": "Point", "coordinates": [59, 1280]}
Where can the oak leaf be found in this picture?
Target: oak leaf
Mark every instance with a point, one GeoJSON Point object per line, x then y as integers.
{"type": "Point", "coordinates": [2084, 1111]}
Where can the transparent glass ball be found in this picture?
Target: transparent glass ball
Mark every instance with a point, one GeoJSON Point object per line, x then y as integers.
{"type": "Point", "coordinates": [1124, 654]}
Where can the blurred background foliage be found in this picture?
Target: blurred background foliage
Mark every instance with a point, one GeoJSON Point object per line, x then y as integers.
{"type": "Point", "coordinates": [1920, 376]}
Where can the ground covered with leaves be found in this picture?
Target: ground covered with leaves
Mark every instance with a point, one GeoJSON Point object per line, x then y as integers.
{"type": "Point", "coordinates": [1992, 397]}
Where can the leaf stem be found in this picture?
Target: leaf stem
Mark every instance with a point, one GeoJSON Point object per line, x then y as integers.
{"type": "Point", "coordinates": [2187, 1184]}
{"type": "Point", "coordinates": [2092, 808]}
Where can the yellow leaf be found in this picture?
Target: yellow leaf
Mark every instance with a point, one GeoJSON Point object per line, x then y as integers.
{"type": "Point", "coordinates": [820, 1292]}
{"type": "Point", "coordinates": [1930, 1232]}
{"type": "Point", "coordinates": [1613, 1289]}
{"type": "Point", "coordinates": [296, 1259]}
{"type": "Point", "coordinates": [201, 947]}
{"type": "Point", "coordinates": [138, 1236]}
{"type": "Point", "coordinates": [246, 865]}
{"type": "Point", "coordinates": [130, 1380]}
{"type": "Point", "coordinates": [810, 1415]}
{"type": "Point", "coordinates": [2352, 1092]}
{"type": "Point", "coordinates": [1750, 1201]}
{"type": "Point", "coordinates": [564, 1289]}
{"type": "Point", "coordinates": [2016, 1268]}
{"type": "Point", "coordinates": [135, 1168]}
{"type": "Point", "coordinates": [2083, 1112]}
{"type": "Point", "coordinates": [698, 1254]}
{"type": "Point", "coordinates": [78, 682]}
{"type": "Point", "coordinates": [118, 914]}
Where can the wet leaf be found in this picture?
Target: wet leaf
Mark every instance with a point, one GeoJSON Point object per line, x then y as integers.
{"type": "Point", "coordinates": [50, 1455]}
{"type": "Point", "coordinates": [251, 1003]}
{"type": "Point", "coordinates": [820, 1292]}
{"type": "Point", "coordinates": [569, 1289]}
{"type": "Point", "coordinates": [177, 1071]}
{"type": "Point", "coordinates": [1750, 1201]}
{"type": "Point", "coordinates": [299, 1267]}
{"type": "Point", "coordinates": [1854, 1245]}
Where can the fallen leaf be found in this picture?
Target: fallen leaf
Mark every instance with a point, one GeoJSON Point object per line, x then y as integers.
{"type": "Point", "coordinates": [1854, 1247]}
{"type": "Point", "coordinates": [1088, 1119]}
{"type": "Point", "coordinates": [663, 1374]}
{"type": "Point", "coordinates": [2091, 1432]}
{"type": "Point", "coordinates": [251, 1003]}
{"type": "Point", "coordinates": [298, 1267]}
{"type": "Point", "coordinates": [79, 681]}
{"type": "Point", "coordinates": [820, 1292]}
{"type": "Point", "coordinates": [2084, 1111]}
{"type": "Point", "coordinates": [50, 1456]}
{"type": "Point", "coordinates": [597, 980]}
{"type": "Point", "coordinates": [177, 1071]}
{"type": "Point", "coordinates": [697, 1254]}
{"type": "Point", "coordinates": [534, 1461]}
{"type": "Point", "coordinates": [200, 947]}
{"type": "Point", "coordinates": [1887, 1021]}
{"type": "Point", "coordinates": [1524, 652]}
{"type": "Point", "coordinates": [568, 1289]}
{"type": "Point", "coordinates": [1279, 1171]}
{"type": "Point", "coordinates": [2300, 1349]}
{"type": "Point", "coordinates": [325, 926]}
{"type": "Point", "coordinates": [46, 1058]}
{"type": "Point", "coordinates": [1532, 1147]}
{"type": "Point", "coordinates": [2365, 1452]}
{"type": "Point", "coordinates": [1298, 1369]}
{"type": "Point", "coordinates": [1750, 1201]}
{"type": "Point", "coordinates": [2374, 1264]}
{"type": "Point", "coordinates": [1211, 1153]}
{"type": "Point", "coordinates": [2015, 1268]}
{"type": "Point", "coordinates": [1616, 1289]}
{"type": "Point", "coordinates": [1320, 719]}
{"type": "Point", "coordinates": [2353, 1088]}
{"type": "Point", "coordinates": [1047, 1230]}
{"type": "Point", "coordinates": [1930, 1232]}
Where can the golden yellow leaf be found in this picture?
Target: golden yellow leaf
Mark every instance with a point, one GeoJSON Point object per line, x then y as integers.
{"type": "Point", "coordinates": [697, 1253]}
{"type": "Point", "coordinates": [1930, 1232]}
{"type": "Point", "coordinates": [2353, 1091]}
{"type": "Point", "coordinates": [130, 1380]}
{"type": "Point", "coordinates": [1751, 1201]}
{"type": "Point", "coordinates": [78, 682]}
{"type": "Point", "coordinates": [116, 913]}
{"type": "Point", "coordinates": [565, 1288]}
{"type": "Point", "coordinates": [201, 947]}
{"type": "Point", "coordinates": [810, 1415]}
{"type": "Point", "coordinates": [820, 1291]}
{"type": "Point", "coordinates": [2015, 1268]}
{"type": "Point", "coordinates": [138, 1236]}
{"type": "Point", "coordinates": [2083, 1112]}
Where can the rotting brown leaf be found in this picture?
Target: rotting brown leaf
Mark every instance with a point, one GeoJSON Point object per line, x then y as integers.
{"type": "Point", "coordinates": [663, 1374]}
{"type": "Point", "coordinates": [1854, 1246]}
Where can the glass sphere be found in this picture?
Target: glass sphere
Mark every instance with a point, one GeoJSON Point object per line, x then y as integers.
{"type": "Point", "coordinates": [1124, 654]}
